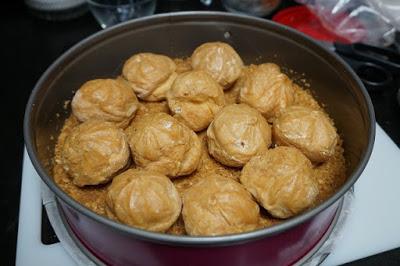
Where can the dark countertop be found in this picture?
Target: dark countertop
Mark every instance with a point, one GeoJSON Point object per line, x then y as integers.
{"type": "Point", "coordinates": [29, 45]}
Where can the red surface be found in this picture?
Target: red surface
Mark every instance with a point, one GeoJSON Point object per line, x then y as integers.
{"type": "Point", "coordinates": [302, 19]}
{"type": "Point", "coordinates": [116, 248]}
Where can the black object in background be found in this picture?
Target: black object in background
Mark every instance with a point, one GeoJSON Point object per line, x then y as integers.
{"type": "Point", "coordinates": [47, 235]}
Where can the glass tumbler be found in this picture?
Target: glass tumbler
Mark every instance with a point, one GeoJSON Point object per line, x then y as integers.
{"type": "Point", "coordinates": [111, 12]}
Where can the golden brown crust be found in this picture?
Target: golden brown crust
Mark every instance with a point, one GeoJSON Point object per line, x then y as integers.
{"type": "Point", "coordinates": [182, 65]}
{"type": "Point", "coordinates": [195, 98]}
{"type": "Point", "coordinates": [94, 151]}
{"type": "Point", "coordinates": [265, 88]}
{"type": "Point", "coordinates": [220, 60]}
{"type": "Point", "coordinates": [328, 176]}
{"type": "Point", "coordinates": [231, 95]}
{"type": "Point", "coordinates": [150, 75]}
{"type": "Point", "coordinates": [307, 129]}
{"type": "Point", "coordinates": [238, 133]}
{"type": "Point", "coordinates": [161, 143]}
{"type": "Point", "coordinates": [105, 99]}
{"type": "Point", "coordinates": [217, 206]}
{"type": "Point", "coordinates": [144, 199]}
{"type": "Point", "coordinates": [281, 181]}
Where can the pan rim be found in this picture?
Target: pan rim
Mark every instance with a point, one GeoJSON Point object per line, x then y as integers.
{"type": "Point", "coordinates": [192, 240]}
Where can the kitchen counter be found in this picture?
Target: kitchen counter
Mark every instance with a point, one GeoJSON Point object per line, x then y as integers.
{"type": "Point", "coordinates": [29, 45]}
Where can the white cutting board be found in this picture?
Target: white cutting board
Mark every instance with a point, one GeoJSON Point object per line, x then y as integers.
{"type": "Point", "coordinates": [373, 225]}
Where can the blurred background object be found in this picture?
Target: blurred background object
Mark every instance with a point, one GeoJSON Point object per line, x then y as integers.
{"type": "Point", "coordinates": [377, 66]}
{"type": "Point", "coordinates": [302, 19]}
{"type": "Point", "coordinates": [111, 12]}
{"type": "Point", "coordinates": [390, 9]}
{"type": "Point", "coordinates": [355, 20]}
{"type": "Point", "coordinates": [57, 9]}
{"type": "Point", "coordinates": [206, 2]}
{"type": "Point", "coordinates": [259, 8]}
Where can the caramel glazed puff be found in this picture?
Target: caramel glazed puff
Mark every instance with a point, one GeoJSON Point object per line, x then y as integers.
{"type": "Point", "coordinates": [144, 199]}
{"type": "Point", "coordinates": [238, 133]}
{"type": "Point", "coordinates": [94, 152]}
{"type": "Point", "coordinates": [195, 98]}
{"type": "Point", "coordinates": [150, 75]}
{"type": "Point", "coordinates": [265, 88]}
{"type": "Point", "coordinates": [281, 181]}
{"type": "Point", "coordinates": [161, 143]}
{"type": "Point", "coordinates": [309, 130]}
{"type": "Point", "coordinates": [105, 99]}
{"type": "Point", "coordinates": [218, 205]}
{"type": "Point", "coordinates": [220, 60]}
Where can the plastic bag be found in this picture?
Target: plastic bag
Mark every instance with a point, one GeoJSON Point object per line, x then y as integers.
{"type": "Point", "coordinates": [390, 9]}
{"type": "Point", "coordinates": [354, 20]}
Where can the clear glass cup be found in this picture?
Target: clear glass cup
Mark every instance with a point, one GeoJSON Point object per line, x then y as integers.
{"type": "Point", "coordinates": [259, 8]}
{"type": "Point", "coordinates": [111, 12]}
